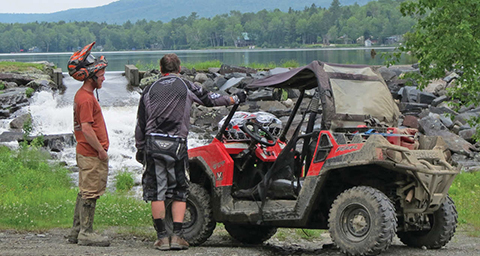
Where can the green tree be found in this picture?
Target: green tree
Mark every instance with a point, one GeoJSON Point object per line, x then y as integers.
{"type": "Point", "coordinates": [447, 37]}
{"type": "Point", "coordinates": [302, 28]}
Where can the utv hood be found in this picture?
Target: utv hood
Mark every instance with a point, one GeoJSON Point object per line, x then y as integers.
{"type": "Point", "coordinates": [350, 95]}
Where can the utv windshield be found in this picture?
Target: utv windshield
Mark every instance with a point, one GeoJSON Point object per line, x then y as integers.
{"type": "Point", "coordinates": [350, 95]}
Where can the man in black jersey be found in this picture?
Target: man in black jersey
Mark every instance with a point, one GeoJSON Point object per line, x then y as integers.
{"type": "Point", "coordinates": [161, 132]}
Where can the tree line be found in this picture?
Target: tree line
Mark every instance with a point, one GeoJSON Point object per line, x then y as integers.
{"type": "Point", "coordinates": [377, 20]}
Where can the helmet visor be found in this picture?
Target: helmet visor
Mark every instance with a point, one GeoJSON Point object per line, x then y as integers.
{"type": "Point", "coordinates": [90, 60]}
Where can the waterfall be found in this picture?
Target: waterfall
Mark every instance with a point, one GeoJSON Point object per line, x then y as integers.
{"type": "Point", "coordinates": [52, 113]}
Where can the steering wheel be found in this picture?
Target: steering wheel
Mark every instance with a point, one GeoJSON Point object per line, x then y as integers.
{"type": "Point", "coordinates": [258, 133]}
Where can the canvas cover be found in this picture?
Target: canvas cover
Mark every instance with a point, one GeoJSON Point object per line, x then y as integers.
{"type": "Point", "coordinates": [350, 95]}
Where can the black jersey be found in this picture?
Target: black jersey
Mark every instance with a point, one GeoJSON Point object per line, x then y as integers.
{"type": "Point", "coordinates": [165, 106]}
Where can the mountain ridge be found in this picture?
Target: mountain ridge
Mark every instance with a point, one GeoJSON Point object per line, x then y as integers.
{"type": "Point", "coordinates": [164, 10]}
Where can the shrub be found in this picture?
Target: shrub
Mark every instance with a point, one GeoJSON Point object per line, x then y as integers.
{"type": "Point", "coordinates": [124, 181]}
{"type": "Point", "coordinates": [29, 92]}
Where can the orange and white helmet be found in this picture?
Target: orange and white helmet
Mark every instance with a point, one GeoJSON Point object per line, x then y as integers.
{"type": "Point", "coordinates": [83, 65]}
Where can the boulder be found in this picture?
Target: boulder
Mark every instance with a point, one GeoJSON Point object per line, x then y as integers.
{"type": "Point", "coordinates": [410, 121]}
{"type": "Point", "coordinates": [435, 86]}
{"type": "Point", "coordinates": [439, 100]}
{"type": "Point", "coordinates": [205, 116]}
{"type": "Point", "coordinates": [219, 81]}
{"type": "Point", "coordinates": [262, 94]}
{"type": "Point", "coordinates": [464, 117]}
{"type": "Point", "coordinates": [213, 70]}
{"type": "Point", "coordinates": [151, 72]}
{"type": "Point", "coordinates": [209, 85]}
{"type": "Point", "coordinates": [148, 81]}
{"type": "Point", "coordinates": [19, 79]}
{"type": "Point", "coordinates": [451, 77]}
{"type": "Point", "coordinates": [408, 108]}
{"type": "Point", "coordinates": [260, 74]}
{"type": "Point", "coordinates": [17, 123]}
{"type": "Point", "coordinates": [235, 75]}
{"type": "Point", "coordinates": [230, 83]}
{"type": "Point", "coordinates": [273, 107]}
{"type": "Point", "coordinates": [278, 71]}
{"type": "Point", "coordinates": [11, 136]}
{"type": "Point", "coordinates": [409, 94]}
{"type": "Point", "coordinates": [187, 72]}
{"type": "Point", "coordinates": [425, 97]}
{"type": "Point", "coordinates": [447, 121]}
{"type": "Point", "coordinates": [464, 109]}
{"type": "Point", "coordinates": [468, 134]}
{"type": "Point", "coordinates": [442, 110]}
{"type": "Point", "coordinates": [201, 77]}
{"type": "Point", "coordinates": [387, 73]}
{"type": "Point", "coordinates": [45, 84]}
{"type": "Point", "coordinates": [13, 96]}
{"type": "Point", "coordinates": [432, 126]}
{"type": "Point", "coordinates": [9, 85]}
{"type": "Point", "coordinates": [225, 69]}
{"type": "Point", "coordinates": [55, 142]}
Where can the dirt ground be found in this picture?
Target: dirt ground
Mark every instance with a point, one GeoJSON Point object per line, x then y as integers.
{"type": "Point", "coordinates": [220, 243]}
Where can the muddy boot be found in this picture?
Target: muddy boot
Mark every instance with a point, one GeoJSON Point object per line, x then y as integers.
{"type": "Point", "coordinates": [177, 242]}
{"type": "Point", "coordinates": [86, 235]}
{"type": "Point", "coordinates": [162, 243]}
{"type": "Point", "coordinates": [72, 237]}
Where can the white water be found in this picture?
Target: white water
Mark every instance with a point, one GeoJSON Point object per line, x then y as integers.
{"type": "Point", "coordinates": [53, 114]}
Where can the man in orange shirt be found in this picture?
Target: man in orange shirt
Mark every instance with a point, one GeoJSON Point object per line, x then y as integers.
{"type": "Point", "coordinates": [92, 145]}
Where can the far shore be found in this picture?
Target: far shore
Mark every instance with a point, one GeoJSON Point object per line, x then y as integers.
{"type": "Point", "coordinates": [327, 48]}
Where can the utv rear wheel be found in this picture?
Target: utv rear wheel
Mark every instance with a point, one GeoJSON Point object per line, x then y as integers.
{"type": "Point", "coordinates": [250, 234]}
{"type": "Point", "coordinates": [362, 221]}
{"type": "Point", "coordinates": [443, 223]}
{"type": "Point", "coordinates": [198, 224]}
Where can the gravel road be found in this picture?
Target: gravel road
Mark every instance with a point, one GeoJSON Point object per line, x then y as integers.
{"type": "Point", "coordinates": [53, 243]}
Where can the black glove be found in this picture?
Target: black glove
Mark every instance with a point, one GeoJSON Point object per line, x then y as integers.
{"type": "Point", "coordinates": [140, 156]}
{"type": "Point", "coordinates": [241, 96]}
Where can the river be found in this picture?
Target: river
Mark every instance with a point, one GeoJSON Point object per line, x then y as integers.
{"type": "Point", "coordinates": [118, 60]}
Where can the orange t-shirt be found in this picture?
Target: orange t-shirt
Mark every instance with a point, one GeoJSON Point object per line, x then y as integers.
{"type": "Point", "coordinates": [87, 110]}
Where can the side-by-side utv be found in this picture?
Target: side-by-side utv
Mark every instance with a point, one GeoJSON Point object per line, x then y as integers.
{"type": "Point", "coordinates": [339, 163]}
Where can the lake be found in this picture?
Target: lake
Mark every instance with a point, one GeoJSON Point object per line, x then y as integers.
{"type": "Point", "coordinates": [241, 57]}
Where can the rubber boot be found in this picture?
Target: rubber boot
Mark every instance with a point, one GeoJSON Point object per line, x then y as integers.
{"type": "Point", "coordinates": [86, 236]}
{"type": "Point", "coordinates": [73, 236]}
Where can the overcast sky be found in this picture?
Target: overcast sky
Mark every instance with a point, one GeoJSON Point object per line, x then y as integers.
{"type": "Point", "coordinates": [47, 6]}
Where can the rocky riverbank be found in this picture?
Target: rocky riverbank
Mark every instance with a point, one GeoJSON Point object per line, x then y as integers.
{"type": "Point", "coordinates": [18, 82]}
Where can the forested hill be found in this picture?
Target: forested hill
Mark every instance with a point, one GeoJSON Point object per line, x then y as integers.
{"type": "Point", "coordinates": [165, 10]}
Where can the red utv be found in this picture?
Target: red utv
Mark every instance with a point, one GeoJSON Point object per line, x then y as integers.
{"type": "Point", "coordinates": [340, 165]}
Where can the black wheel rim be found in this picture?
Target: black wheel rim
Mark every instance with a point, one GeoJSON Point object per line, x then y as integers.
{"type": "Point", "coordinates": [190, 216]}
{"type": "Point", "coordinates": [189, 219]}
{"type": "Point", "coordinates": [355, 222]}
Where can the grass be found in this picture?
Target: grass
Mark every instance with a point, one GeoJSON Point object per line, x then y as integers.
{"type": "Point", "coordinates": [7, 66]}
{"type": "Point", "coordinates": [465, 192]}
{"type": "Point", "coordinates": [29, 92]}
{"type": "Point", "coordinates": [38, 195]}
{"type": "Point", "coordinates": [124, 181]}
{"type": "Point", "coordinates": [203, 66]}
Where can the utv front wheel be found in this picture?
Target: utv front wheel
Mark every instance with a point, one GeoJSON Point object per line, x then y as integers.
{"type": "Point", "coordinates": [443, 223]}
{"type": "Point", "coordinates": [250, 234]}
{"type": "Point", "coordinates": [362, 221]}
{"type": "Point", "coordinates": [198, 224]}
